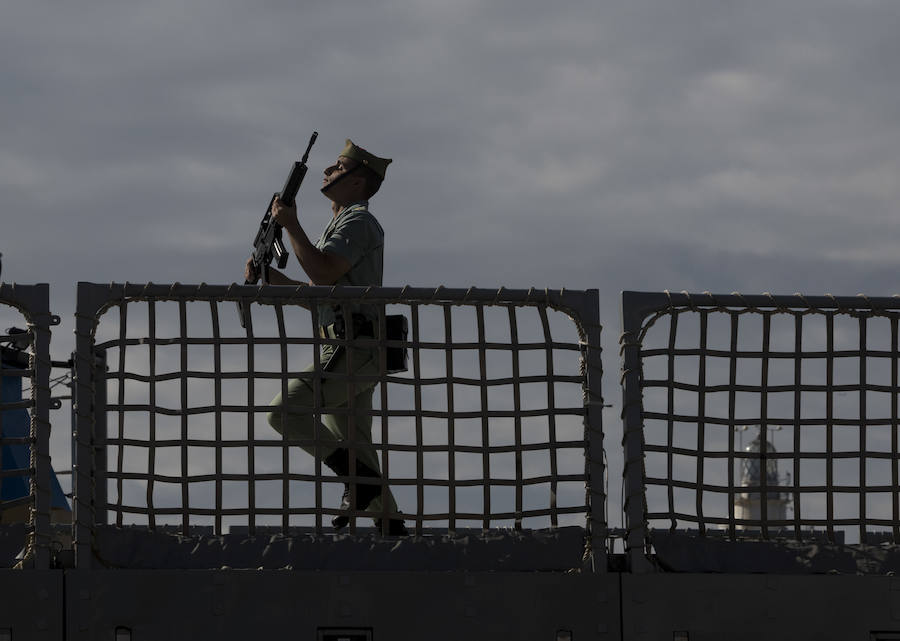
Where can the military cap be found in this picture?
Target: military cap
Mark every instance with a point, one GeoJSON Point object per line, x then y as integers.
{"type": "Point", "coordinates": [373, 162]}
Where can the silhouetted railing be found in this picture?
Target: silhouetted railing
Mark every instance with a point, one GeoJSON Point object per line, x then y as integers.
{"type": "Point", "coordinates": [495, 424]}
{"type": "Point", "coordinates": [760, 417]}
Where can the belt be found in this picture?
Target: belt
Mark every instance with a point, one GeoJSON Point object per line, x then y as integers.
{"type": "Point", "coordinates": [397, 329]}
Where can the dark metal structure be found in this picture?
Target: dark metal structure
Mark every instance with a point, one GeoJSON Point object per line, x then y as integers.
{"type": "Point", "coordinates": [33, 302]}
{"type": "Point", "coordinates": [820, 373]}
{"type": "Point", "coordinates": [194, 520]}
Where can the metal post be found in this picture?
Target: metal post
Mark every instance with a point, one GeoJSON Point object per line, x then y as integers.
{"type": "Point", "coordinates": [89, 300]}
{"type": "Point", "coordinates": [589, 317]}
{"type": "Point", "coordinates": [99, 439]}
{"type": "Point", "coordinates": [637, 536]}
{"type": "Point", "coordinates": [40, 322]}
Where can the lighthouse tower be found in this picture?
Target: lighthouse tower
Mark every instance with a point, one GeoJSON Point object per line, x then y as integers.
{"type": "Point", "coordinates": [748, 505]}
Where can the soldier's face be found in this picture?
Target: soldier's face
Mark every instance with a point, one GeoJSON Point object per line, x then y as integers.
{"type": "Point", "coordinates": [339, 183]}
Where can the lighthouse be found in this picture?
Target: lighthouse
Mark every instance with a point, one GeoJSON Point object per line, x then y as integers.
{"type": "Point", "coordinates": [748, 505]}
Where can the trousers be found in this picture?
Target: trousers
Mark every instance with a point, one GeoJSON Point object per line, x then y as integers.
{"type": "Point", "coordinates": [293, 416]}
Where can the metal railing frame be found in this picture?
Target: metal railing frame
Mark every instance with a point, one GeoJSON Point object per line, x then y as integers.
{"type": "Point", "coordinates": [33, 302]}
{"type": "Point", "coordinates": [95, 299]}
{"type": "Point", "coordinates": [639, 311]}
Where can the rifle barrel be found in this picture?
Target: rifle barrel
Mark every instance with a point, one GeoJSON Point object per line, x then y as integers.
{"type": "Point", "coordinates": [312, 139]}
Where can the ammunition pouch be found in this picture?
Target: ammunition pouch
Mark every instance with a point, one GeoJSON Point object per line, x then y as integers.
{"type": "Point", "coordinates": [397, 329]}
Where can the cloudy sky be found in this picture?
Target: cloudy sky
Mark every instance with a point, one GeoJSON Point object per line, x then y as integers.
{"type": "Point", "coordinates": [689, 145]}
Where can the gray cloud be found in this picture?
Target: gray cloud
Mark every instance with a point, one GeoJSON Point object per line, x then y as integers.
{"type": "Point", "coordinates": [642, 145]}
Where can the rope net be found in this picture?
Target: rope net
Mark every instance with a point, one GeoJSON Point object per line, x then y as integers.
{"type": "Point", "coordinates": [485, 429]}
{"type": "Point", "coordinates": [771, 420]}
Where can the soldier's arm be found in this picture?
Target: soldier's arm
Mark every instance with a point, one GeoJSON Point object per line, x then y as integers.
{"type": "Point", "coordinates": [278, 278]}
{"type": "Point", "coordinates": [322, 268]}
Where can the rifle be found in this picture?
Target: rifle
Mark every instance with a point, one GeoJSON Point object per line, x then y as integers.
{"type": "Point", "coordinates": [268, 244]}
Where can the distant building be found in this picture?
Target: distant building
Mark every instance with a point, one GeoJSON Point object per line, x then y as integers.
{"type": "Point", "coordinates": [748, 505]}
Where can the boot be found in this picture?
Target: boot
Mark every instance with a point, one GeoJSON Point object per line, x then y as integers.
{"type": "Point", "coordinates": [396, 527]}
{"type": "Point", "coordinates": [339, 462]}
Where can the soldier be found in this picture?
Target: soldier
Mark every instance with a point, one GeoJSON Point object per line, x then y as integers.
{"type": "Point", "coordinates": [350, 252]}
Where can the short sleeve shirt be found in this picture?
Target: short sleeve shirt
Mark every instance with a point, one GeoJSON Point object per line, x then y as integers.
{"type": "Point", "coordinates": [355, 235]}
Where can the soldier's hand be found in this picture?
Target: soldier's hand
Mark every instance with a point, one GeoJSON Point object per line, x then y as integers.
{"type": "Point", "coordinates": [284, 215]}
{"type": "Point", "coordinates": [250, 275]}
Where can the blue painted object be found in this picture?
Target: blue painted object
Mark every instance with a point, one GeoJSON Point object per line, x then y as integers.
{"type": "Point", "coordinates": [16, 423]}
